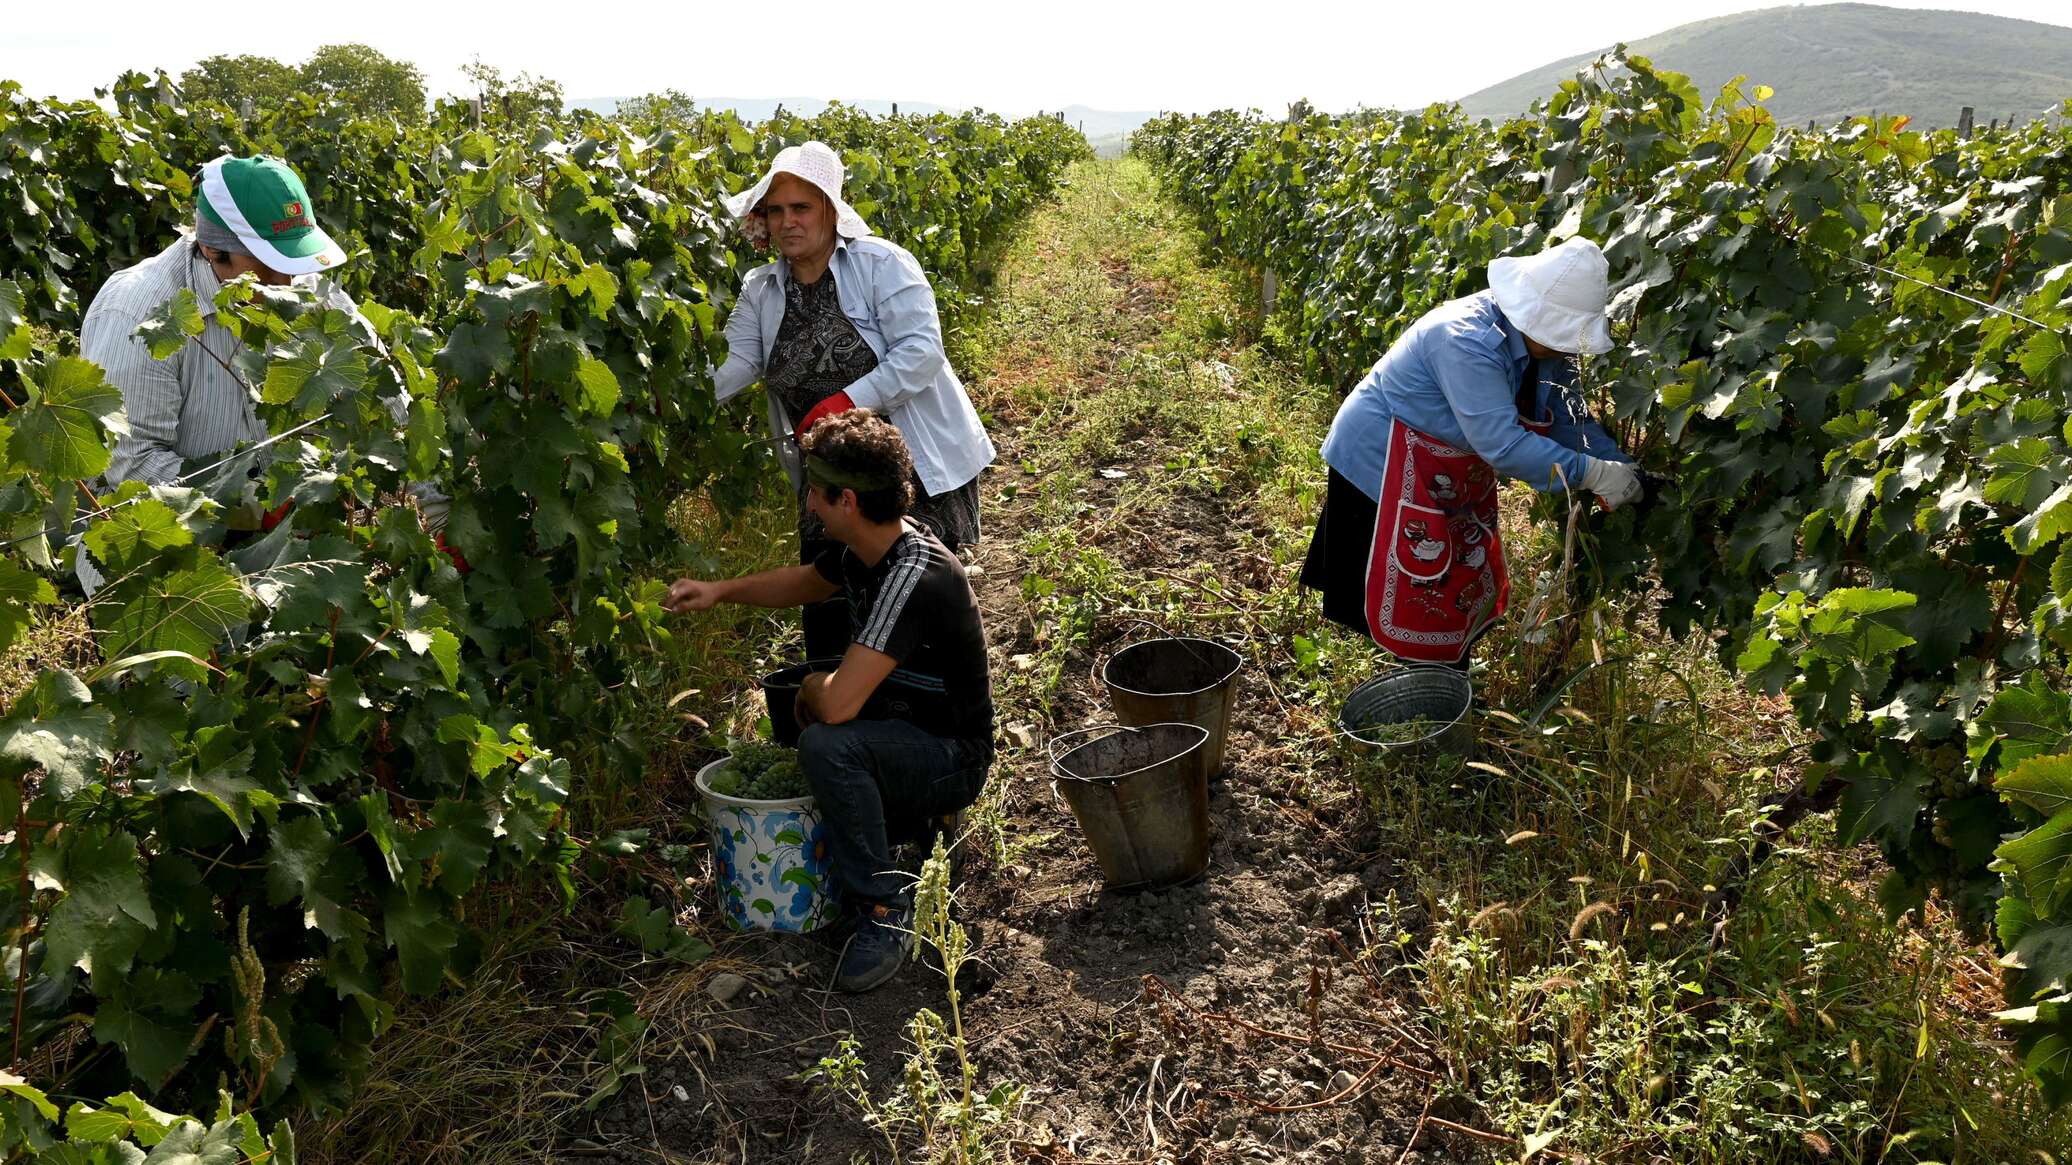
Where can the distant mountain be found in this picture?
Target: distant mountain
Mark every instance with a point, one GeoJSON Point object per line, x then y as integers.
{"type": "Point", "coordinates": [1099, 124]}
{"type": "Point", "coordinates": [761, 108]}
{"type": "Point", "coordinates": [1829, 61]}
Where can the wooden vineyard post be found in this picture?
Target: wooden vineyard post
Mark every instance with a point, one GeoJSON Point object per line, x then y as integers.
{"type": "Point", "coordinates": [1964, 122]}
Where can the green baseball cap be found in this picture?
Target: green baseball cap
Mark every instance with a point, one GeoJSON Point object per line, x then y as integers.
{"type": "Point", "coordinates": [263, 203]}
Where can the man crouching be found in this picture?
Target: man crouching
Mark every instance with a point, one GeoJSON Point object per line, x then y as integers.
{"type": "Point", "coordinates": [902, 730]}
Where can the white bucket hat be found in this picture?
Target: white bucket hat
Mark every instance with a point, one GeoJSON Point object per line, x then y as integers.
{"type": "Point", "coordinates": [815, 163]}
{"type": "Point", "coordinates": [1558, 296]}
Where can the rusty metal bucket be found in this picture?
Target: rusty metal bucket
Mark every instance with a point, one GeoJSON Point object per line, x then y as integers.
{"type": "Point", "coordinates": [1142, 799]}
{"type": "Point", "coordinates": [1177, 681]}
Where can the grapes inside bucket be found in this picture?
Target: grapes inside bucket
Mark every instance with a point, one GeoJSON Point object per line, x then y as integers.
{"type": "Point", "coordinates": [769, 846]}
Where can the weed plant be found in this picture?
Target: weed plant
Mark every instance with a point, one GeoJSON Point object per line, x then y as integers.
{"type": "Point", "coordinates": [939, 1108]}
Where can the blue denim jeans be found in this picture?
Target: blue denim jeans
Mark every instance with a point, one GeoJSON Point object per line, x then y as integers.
{"type": "Point", "coordinates": [868, 773]}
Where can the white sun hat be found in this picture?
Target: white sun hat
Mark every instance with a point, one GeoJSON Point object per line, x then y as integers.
{"type": "Point", "coordinates": [817, 164]}
{"type": "Point", "coordinates": [1558, 296]}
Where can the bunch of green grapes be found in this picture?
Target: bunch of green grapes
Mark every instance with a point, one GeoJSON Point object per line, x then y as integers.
{"type": "Point", "coordinates": [757, 770]}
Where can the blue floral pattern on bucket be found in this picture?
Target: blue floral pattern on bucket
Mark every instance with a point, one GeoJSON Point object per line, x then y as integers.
{"type": "Point", "coordinates": [772, 867]}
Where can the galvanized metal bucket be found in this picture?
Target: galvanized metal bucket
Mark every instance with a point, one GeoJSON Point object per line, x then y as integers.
{"type": "Point", "coordinates": [1435, 700]}
{"type": "Point", "coordinates": [1142, 799]}
{"type": "Point", "coordinates": [1176, 681]}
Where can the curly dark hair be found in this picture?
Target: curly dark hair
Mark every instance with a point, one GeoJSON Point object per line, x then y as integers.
{"type": "Point", "coordinates": [859, 442]}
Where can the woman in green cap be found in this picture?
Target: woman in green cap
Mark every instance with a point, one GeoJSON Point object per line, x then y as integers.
{"type": "Point", "coordinates": [251, 216]}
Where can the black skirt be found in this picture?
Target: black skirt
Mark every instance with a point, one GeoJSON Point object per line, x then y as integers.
{"type": "Point", "coordinates": [1338, 553]}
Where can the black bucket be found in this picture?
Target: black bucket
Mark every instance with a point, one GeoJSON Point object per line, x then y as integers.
{"type": "Point", "coordinates": [894, 699]}
{"type": "Point", "coordinates": [1142, 799]}
{"type": "Point", "coordinates": [1176, 681]}
{"type": "Point", "coordinates": [781, 691]}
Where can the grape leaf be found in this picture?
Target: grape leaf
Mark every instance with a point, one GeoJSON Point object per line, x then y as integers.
{"type": "Point", "coordinates": [424, 439]}
{"type": "Point", "coordinates": [600, 387]}
{"type": "Point", "coordinates": [171, 324]}
{"type": "Point", "coordinates": [152, 1046]}
{"type": "Point", "coordinates": [298, 866]}
{"type": "Point", "coordinates": [2040, 858]}
{"type": "Point", "coordinates": [191, 1143]}
{"type": "Point", "coordinates": [599, 284]}
{"type": "Point", "coordinates": [381, 827]}
{"type": "Point", "coordinates": [57, 725]}
{"type": "Point", "coordinates": [2044, 953]}
{"type": "Point", "coordinates": [2024, 473]}
{"type": "Point", "coordinates": [462, 840]}
{"type": "Point", "coordinates": [476, 352]}
{"type": "Point", "coordinates": [423, 938]}
{"type": "Point", "coordinates": [2043, 783]}
{"type": "Point", "coordinates": [124, 1117]}
{"type": "Point", "coordinates": [105, 914]}
{"type": "Point", "coordinates": [15, 339]}
{"type": "Point", "coordinates": [188, 610]}
{"type": "Point", "coordinates": [59, 431]}
{"type": "Point", "coordinates": [20, 592]}
{"type": "Point", "coordinates": [2027, 720]}
{"type": "Point", "coordinates": [135, 533]}
{"type": "Point", "coordinates": [319, 371]}
{"type": "Point", "coordinates": [221, 773]}
{"type": "Point", "coordinates": [1881, 807]}
{"type": "Point", "coordinates": [2049, 521]}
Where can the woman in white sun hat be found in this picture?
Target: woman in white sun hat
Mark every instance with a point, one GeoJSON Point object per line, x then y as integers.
{"type": "Point", "coordinates": [1406, 548]}
{"type": "Point", "coordinates": [842, 319]}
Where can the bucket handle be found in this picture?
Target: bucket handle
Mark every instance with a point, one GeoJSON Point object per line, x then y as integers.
{"type": "Point", "coordinates": [1050, 747]}
{"type": "Point", "coordinates": [1094, 666]}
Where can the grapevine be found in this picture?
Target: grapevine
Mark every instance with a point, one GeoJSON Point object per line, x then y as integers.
{"type": "Point", "coordinates": [259, 815]}
{"type": "Point", "coordinates": [1848, 352]}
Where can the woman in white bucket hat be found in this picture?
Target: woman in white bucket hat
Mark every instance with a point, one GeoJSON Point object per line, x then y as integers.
{"type": "Point", "coordinates": [842, 319]}
{"type": "Point", "coordinates": [1406, 549]}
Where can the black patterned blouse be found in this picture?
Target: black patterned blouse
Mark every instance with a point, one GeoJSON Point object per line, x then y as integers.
{"type": "Point", "coordinates": [820, 353]}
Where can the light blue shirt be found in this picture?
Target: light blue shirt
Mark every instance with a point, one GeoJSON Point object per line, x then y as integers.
{"type": "Point", "coordinates": [1454, 376]}
{"type": "Point", "coordinates": [884, 293]}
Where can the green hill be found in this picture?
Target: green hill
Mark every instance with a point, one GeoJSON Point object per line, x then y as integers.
{"type": "Point", "coordinates": [1829, 61]}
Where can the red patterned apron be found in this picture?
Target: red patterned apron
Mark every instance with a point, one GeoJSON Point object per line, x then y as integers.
{"type": "Point", "coordinates": [1435, 574]}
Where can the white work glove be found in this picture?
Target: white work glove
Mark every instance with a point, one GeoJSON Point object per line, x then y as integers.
{"type": "Point", "coordinates": [1617, 482]}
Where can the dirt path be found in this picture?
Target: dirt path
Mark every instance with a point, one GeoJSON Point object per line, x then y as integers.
{"type": "Point", "coordinates": [1142, 447]}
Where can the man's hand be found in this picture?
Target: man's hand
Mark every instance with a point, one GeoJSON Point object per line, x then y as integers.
{"type": "Point", "coordinates": [1616, 483]}
{"type": "Point", "coordinates": [802, 709]}
{"type": "Point", "coordinates": [690, 594]}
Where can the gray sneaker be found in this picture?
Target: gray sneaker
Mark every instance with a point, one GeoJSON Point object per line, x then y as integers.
{"type": "Point", "coordinates": [884, 935]}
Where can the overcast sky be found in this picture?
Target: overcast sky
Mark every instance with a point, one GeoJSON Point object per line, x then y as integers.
{"type": "Point", "coordinates": [1012, 58]}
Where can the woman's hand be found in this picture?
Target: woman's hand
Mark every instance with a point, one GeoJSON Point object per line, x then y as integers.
{"type": "Point", "coordinates": [1616, 483]}
{"type": "Point", "coordinates": [838, 403]}
{"type": "Point", "coordinates": [690, 594]}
